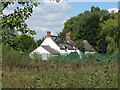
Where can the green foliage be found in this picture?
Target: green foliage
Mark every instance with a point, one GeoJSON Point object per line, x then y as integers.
{"type": "Point", "coordinates": [15, 23]}
{"type": "Point", "coordinates": [31, 73]}
{"type": "Point", "coordinates": [25, 43]}
{"type": "Point", "coordinates": [63, 75]}
{"type": "Point", "coordinates": [71, 58]}
{"type": "Point", "coordinates": [87, 26]}
{"type": "Point", "coordinates": [108, 75]}
{"type": "Point", "coordinates": [36, 57]}
{"type": "Point", "coordinates": [3, 5]}
{"type": "Point", "coordinates": [39, 41]}
{"type": "Point", "coordinates": [65, 71]}
{"type": "Point", "coordinates": [74, 58]}
{"type": "Point", "coordinates": [111, 32]}
{"type": "Point", "coordinates": [79, 45]}
{"type": "Point", "coordinates": [13, 58]}
{"type": "Point", "coordinates": [94, 81]}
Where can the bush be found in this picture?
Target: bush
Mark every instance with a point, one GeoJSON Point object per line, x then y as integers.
{"type": "Point", "coordinates": [71, 58]}
{"type": "Point", "coordinates": [36, 57]}
{"type": "Point", "coordinates": [11, 57]}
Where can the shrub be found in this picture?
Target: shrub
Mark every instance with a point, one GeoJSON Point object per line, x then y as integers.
{"type": "Point", "coordinates": [36, 57]}
{"type": "Point", "coordinates": [11, 57]}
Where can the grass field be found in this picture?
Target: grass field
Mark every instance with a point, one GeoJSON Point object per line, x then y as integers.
{"type": "Point", "coordinates": [59, 72]}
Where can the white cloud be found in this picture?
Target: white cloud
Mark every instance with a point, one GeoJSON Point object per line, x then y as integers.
{"type": "Point", "coordinates": [41, 31]}
{"type": "Point", "coordinates": [9, 9]}
{"type": "Point", "coordinates": [114, 10]}
{"type": "Point", "coordinates": [50, 16]}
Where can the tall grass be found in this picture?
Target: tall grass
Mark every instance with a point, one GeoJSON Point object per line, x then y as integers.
{"type": "Point", "coordinates": [13, 58]}
{"type": "Point", "coordinates": [63, 71]}
{"type": "Point", "coordinates": [73, 58]}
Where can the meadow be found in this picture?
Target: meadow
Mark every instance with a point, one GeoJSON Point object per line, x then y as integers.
{"type": "Point", "coordinates": [93, 71]}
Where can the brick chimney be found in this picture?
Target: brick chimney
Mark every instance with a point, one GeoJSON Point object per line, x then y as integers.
{"type": "Point", "coordinates": [68, 36]}
{"type": "Point", "coordinates": [48, 33]}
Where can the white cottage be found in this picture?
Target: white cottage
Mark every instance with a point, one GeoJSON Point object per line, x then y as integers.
{"type": "Point", "coordinates": [53, 45]}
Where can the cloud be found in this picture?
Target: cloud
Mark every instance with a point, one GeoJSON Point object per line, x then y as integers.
{"type": "Point", "coordinates": [9, 9]}
{"type": "Point", "coordinates": [48, 17]}
{"type": "Point", "coordinates": [114, 10]}
{"type": "Point", "coordinates": [41, 31]}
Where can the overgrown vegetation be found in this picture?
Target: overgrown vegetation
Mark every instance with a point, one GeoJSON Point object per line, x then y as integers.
{"type": "Point", "coordinates": [98, 71]}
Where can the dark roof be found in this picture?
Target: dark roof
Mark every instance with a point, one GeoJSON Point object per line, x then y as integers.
{"type": "Point", "coordinates": [63, 44]}
{"type": "Point", "coordinates": [56, 39]}
{"type": "Point", "coordinates": [51, 50]}
{"type": "Point", "coordinates": [88, 47]}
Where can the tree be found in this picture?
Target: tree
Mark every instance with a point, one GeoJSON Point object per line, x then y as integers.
{"type": "Point", "coordinates": [87, 26]}
{"type": "Point", "coordinates": [39, 41]}
{"type": "Point", "coordinates": [15, 22]}
{"type": "Point", "coordinates": [79, 45]}
{"type": "Point", "coordinates": [111, 31]}
{"type": "Point", "coordinates": [24, 43]}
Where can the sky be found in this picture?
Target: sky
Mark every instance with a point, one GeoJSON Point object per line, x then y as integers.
{"type": "Point", "coordinates": [50, 16]}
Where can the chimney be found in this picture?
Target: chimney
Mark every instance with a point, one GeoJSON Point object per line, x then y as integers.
{"type": "Point", "coordinates": [48, 33]}
{"type": "Point", "coordinates": [68, 36]}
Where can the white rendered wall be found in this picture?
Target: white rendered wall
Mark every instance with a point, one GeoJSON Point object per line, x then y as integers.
{"type": "Point", "coordinates": [41, 50]}
{"type": "Point", "coordinates": [51, 43]}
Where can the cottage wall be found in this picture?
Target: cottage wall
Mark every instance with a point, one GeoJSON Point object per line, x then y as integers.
{"type": "Point", "coordinates": [48, 41]}
{"type": "Point", "coordinates": [40, 50]}
{"type": "Point", "coordinates": [51, 43]}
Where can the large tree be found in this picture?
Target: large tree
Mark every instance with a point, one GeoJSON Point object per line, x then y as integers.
{"type": "Point", "coordinates": [87, 26]}
{"type": "Point", "coordinates": [13, 24]}
{"type": "Point", "coordinates": [24, 43]}
{"type": "Point", "coordinates": [110, 30]}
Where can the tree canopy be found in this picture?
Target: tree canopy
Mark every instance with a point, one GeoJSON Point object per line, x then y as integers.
{"type": "Point", "coordinates": [25, 43]}
{"type": "Point", "coordinates": [99, 27]}
{"type": "Point", "coordinates": [88, 26]}
{"type": "Point", "coordinates": [111, 31]}
{"type": "Point", "coordinates": [13, 25]}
